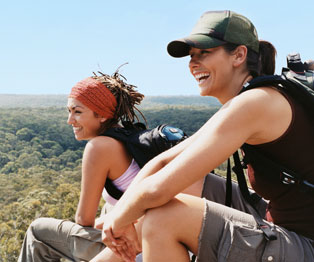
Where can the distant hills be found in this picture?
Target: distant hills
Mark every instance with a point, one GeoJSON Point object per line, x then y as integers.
{"type": "Point", "coordinates": [13, 101]}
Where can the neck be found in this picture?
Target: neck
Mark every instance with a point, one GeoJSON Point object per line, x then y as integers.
{"type": "Point", "coordinates": [234, 88]}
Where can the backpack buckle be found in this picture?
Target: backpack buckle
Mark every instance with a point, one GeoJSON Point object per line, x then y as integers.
{"type": "Point", "coordinates": [287, 179]}
{"type": "Point", "coordinates": [304, 185]}
{"type": "Point", "coordinates": [268, 232]}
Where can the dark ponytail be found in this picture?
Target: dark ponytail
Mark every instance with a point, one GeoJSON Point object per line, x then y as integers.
{"type": "Point", "coordinates": [267, 58]}
{"type": "Point", "coordinates": [262, 63]}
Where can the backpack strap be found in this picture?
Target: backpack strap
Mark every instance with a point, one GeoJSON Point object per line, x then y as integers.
{"type": "Point", "coordinates": [129, 136]}
{"type": "Point", "coordinates": [267, 80]}
{"type": "Point", "coordinates": [252, 199]}
{"type": "Point", "coordinates": [228, 200]}
{"type": "Point", "coordinates": [272, 169]}
{"type": "Point", "coordinates": [112, 189]}
{"type": "Point", "coordinates": [287, 84]}
{"type": "Point", "coordinates": [122, 134]}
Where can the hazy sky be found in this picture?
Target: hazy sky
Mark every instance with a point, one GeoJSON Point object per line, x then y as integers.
{"type": "Point", "coordinates": [48, 46]}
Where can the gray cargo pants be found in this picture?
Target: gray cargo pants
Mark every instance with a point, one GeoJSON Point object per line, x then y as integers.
{"type": "Point", "coordinates": [231, 234]}
{"type": "Point", "coordinates": [49, 239]}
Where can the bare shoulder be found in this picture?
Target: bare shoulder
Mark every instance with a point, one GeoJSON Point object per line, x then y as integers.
{"type": "Point", "coordinates": [264, 104]}
{"type": "Point", "coordinates": [261, 98]}
{"type": "Point", "coordinates": [266, 111]}
{"type": "Point", "coordinates": [104, 146]}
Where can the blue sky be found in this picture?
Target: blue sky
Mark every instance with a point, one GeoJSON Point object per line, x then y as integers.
{"type": "Point", "coordinates": [48, 46]}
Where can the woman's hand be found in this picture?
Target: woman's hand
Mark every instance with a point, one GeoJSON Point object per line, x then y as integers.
{"type": "Point", "coordinates": [99, 221]}
{"type": "Point", "coordinates": [122, 241]}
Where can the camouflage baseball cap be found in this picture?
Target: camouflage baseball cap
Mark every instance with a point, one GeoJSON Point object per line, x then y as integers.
{"type": "Point", "coordinates": [216, 28]}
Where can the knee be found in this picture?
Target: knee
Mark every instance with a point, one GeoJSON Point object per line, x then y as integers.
{"type": "Point", "coordinates": [36, 226]}
{"type": "Point", "coordinates": [160, 220]}
{"type": "Point", "coordinates": [40, 227]}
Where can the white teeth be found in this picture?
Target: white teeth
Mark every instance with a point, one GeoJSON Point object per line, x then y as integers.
{"type": "Point", "coordinates": [76, 128]}
{"type": "Point", "coordinates": [200, 77]}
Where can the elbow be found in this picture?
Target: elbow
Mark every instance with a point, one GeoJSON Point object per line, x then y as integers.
{"type": "Point", "coordinates": [160, 160]}
{"type": "Point", "coordinates": [155, 196]}
{"type": "Point", "coordinates": [83, 220]}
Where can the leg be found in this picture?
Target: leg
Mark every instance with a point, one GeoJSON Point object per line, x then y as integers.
{"type": "Point", "coordinates": [215, 233]}
{"type": "Point", "coordinates": [165, 234]}
{"type": "Point", "coordinates": [214, 189]}
{"type": "Point", "coordinates": [106, 255]}
{"type": "Point", "coordinates": [49, 239]}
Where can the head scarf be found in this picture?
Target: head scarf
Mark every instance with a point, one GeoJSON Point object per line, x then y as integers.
{"type": "Point", "coordinates": [96, 96]}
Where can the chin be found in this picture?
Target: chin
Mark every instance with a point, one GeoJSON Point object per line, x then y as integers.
{"type": "Point", "coordinates": [78, 138]}
{"type": "Point", "coordinates": [203, 92]}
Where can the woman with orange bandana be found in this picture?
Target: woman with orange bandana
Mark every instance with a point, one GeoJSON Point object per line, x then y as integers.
{"type": "Point", "coordinates": [95, 104]}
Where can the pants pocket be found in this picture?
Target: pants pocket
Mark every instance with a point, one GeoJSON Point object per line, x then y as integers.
{"type": "Point", "coordinates": [246, 244]}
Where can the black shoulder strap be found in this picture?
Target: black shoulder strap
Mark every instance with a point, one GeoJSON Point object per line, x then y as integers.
{"type": "Point", "coordinates": [228, 200]}
{"type": "Point", "coordinates": [122, 134]}
{"type": "Point", "coordinates": [296, 89]}
{"type": "Point", "coordinates": [267, 80]}
{"type": "Point", "coordinates": [251, 199]}
{"type": "Point", "coordinates": [130, 137]}
{"type": "Point", "coordinates": [112, 189]}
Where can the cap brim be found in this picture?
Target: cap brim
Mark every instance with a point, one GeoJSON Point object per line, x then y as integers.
{"type": "Point", "coordinates": [181, 47]}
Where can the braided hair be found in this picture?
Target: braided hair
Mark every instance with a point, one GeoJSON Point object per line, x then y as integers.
{"type": "Point", "coordinates": [127, 98]}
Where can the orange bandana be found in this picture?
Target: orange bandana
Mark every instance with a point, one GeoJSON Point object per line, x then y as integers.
{"type": "Point", "coordinates": [96, 96]}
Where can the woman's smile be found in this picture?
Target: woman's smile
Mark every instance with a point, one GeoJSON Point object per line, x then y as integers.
{"type": "Point", "coordinates": [84, 123]}
{"type": "Point", "coordinates": [77, 129]}
{"type": "Point", "coordinates": [201, 77]}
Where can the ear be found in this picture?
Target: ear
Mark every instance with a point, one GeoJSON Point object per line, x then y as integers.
{"type": "Point", "coordinates": [102, 120]}
{"type": "Point", "coordinates": [240, 55]}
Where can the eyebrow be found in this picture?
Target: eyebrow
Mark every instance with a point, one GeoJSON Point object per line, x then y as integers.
{"type": "Point", "coordinates": [73, 107]}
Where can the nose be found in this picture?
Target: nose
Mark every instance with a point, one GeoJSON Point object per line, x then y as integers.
{"type": "Point", "coordinates": [71, 119]}
{"type": "Point", "coordinates": [193, 64]}
{"type": "Point", "coordinates": [194, 60]}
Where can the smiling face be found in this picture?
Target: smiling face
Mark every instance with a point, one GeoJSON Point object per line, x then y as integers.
{"type": "Point", "coordinates": [83, 120]}
{"type": "Point", "coordinates": [212, 69]}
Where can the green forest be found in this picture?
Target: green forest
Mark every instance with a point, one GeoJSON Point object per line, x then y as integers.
{"type": "Point", "coordinates": [40, 162]}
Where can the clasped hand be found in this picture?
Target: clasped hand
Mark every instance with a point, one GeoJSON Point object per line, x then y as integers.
{"type": "Point", "coordinates": [122, 241]}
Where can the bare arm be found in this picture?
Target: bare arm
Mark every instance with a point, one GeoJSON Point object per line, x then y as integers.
{"type": "Point", "coordinates": [100, 154]}
{"type": "Point", "coordinates": [246, 118]}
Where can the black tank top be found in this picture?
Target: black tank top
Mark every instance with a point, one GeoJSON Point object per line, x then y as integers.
{"type": "Point", "coordinates": [288, 207]}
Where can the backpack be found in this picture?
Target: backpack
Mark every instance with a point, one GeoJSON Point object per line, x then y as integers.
{"type": "Point", "coordinates": [298, 71]}
{"type": "Point", "coordinates": [143, 144]}
{"type": "Point", "coordinates": [298, 84]}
